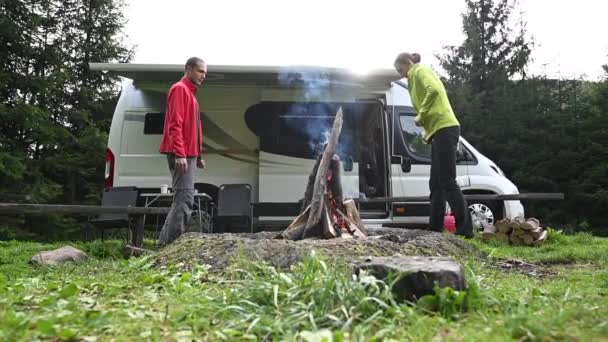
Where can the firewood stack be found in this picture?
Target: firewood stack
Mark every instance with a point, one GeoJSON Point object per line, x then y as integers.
{"type": "Point", "coordinates": [519, 232]}
{"type": "Point", "coordinates": [325, 214]}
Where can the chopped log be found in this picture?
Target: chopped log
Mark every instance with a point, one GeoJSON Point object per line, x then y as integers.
{"type": "Point", "coordinates": [515, 239]}
{"type": "Point", "coordinates": [536, 233]}
{"type": "Point", "coordinates": [517, 222]}
{"type": "Point", "coordinates": [295, 230]}
{"type": "Point", "coordinates": [502, 236]}
{"type": "Point", "coordinates": [310, 185]}
{"type": "Point", "coordinates": [329, 231]}
{"type": "Point", "coordinates": [353, 215]}
{"type": "Point", "coordinates": [489, 231]}
{"type": "Point", "coordinates": [336, 182]}
{"type": "Point", "coordinates": [325, 214]}
{"type": "Point", "coordinates": [488, 228]}
{"type": "Point", "coordinates": [317, 199]}
{"type": "Point", "coordinates": [504, 226]}
{"type": "Point", "coordinates": [530, 224]}
{"type": "Point", "coordinates": [324, 228]}
{"type": "Point", "coordinates": [353, 229]}
{"type": "Point", "coordinates": [356, 232]}
{"type": "Point", "coordinates": [513, 232]}
{"type": "Point", "coordinates": [541, 239]}
{"type": "Point", "coordinates": [519, 232]}
{"type": "Point", "coordinates": [487, 236]}
{"type": "Point", "coordinates": [527, 239]}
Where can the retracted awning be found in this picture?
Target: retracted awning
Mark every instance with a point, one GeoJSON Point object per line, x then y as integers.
{"type": "Point", "coordinates": [236, 75]}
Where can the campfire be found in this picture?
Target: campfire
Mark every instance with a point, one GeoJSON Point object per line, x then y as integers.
{"type": "Point", "coordinates": [325, 214]}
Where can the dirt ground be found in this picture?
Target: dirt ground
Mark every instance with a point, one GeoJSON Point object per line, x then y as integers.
{"type": "Point", "coordinates": [219, 250]}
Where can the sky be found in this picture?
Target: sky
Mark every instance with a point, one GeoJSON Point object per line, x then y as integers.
{"type": "Point", "coordinates": [571, 37]}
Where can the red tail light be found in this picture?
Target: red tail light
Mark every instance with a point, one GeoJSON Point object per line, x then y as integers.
{"type": "Point", "coordinates": [109, 174]}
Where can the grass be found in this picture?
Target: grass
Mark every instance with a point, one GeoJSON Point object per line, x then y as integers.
{"type": "Point", "coordinates": [558, 249]}
{"type": "Point", "coordinates": [108, 298]}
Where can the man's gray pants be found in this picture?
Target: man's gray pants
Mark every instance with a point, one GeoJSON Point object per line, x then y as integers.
{"type": "Point", "coordinates": [183, 201]}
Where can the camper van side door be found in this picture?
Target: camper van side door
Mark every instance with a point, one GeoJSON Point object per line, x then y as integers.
{"type": "Point", "coordinates": [415, 167]}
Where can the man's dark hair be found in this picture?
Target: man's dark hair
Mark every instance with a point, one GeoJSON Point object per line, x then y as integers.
{"type": "Point", "coordinates": [192, 62]}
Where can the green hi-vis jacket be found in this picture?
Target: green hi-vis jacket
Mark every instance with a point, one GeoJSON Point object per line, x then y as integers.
{"type": "Point", "coordinates": [430, 100]}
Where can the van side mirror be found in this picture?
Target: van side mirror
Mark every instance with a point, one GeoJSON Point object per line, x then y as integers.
{"type": "Point", "coordinates": [348, 164]}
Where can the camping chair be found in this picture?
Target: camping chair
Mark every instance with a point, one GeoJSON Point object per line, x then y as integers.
{"type": "Point", "coordinates": [234, 203]}
{"type": "Point", "coordinates": [117, 197]}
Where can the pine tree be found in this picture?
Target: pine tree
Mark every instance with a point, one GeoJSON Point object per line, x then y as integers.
{"type": "Point", "coordinates": [548, 135]}
{"type": "Point", "coordinates": [53, 122]}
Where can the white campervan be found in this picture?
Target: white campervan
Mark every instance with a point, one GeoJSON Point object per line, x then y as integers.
{"type": "Point", "coordinates": [263, 126]}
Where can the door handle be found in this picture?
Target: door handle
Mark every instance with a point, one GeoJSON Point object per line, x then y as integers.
{"type": "Point", "coordinates": [406, 165]}
{"type": "Point", "coordinates": [405, 162]}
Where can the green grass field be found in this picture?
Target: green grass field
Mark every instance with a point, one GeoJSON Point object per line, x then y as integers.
{"type": "Point", "coordinates": [111, 299]}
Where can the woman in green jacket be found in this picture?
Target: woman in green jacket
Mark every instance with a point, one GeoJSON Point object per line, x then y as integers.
{"type": "Point", "coordinates": [442, 131]}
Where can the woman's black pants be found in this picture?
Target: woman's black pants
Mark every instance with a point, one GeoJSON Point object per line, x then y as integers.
{"type": "Point", "coordinates": [443, 183]}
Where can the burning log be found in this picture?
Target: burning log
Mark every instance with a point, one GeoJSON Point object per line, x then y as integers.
{"type": "Point", "coordinates": [335, 185]}
{"type": "Point", "coordinates": [296, 229]}
{"type": "Point", "coordinates": [324, 212]}
{"type": "Point", "coordinates": [310, 185]}
{"type": "Point", "coordinates": [318, 192]}
{"type": "Point", "coordinates": [353, 215]}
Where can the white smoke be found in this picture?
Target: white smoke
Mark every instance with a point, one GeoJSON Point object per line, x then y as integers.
{"type": "Point", "coordinates": [313, 116]}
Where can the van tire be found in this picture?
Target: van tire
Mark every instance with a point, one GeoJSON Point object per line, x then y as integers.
{"type": "Point", "coordinates": [488, 211]}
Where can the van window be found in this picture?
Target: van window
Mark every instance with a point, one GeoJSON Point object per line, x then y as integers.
{"type": "Point", "coordinates": [298, 129]}
{"type": "Point", "coordinates": [416, 146]}
{"type": "Point", "coordinates": [413, 137]}
{"type": "Point", "coordinates": [154, 123]}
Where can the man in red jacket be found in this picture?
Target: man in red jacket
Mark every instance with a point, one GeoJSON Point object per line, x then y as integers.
{"type": "Point", "coordinates": [182, 142]}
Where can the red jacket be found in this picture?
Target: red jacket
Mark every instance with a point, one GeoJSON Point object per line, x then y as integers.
{"type": "Point", "coordinates": [181, 120]}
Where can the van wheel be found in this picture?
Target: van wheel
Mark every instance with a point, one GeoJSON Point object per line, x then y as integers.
{"type": "Point", "coordinates": [483, 212]}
